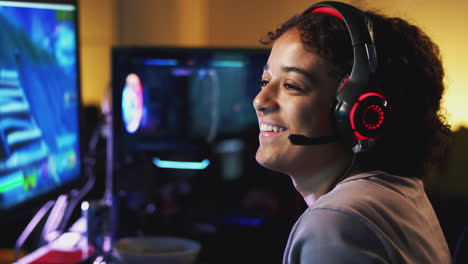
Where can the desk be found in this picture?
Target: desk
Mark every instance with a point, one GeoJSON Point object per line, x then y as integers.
{"type": "Point", "coordinates": [68, 248]}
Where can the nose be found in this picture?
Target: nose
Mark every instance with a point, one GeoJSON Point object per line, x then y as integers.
{"type": "Point", "coordinates": [266, 100]}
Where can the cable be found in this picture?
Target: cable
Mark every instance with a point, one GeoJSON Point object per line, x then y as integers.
{"type": "Point", "coordinates": [76, 197]}
{"type": "Point", "coordinates": [53, 220]}
{"type": "Point", "coordinates": [31, 226]}
{"type": "Point", "coordinates": [345, 175]}
{"type": "Point", "coordinates": [89, 162]}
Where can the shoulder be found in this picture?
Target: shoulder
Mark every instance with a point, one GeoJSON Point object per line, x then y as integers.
{"type": "Point", "coordinates": [371, 217]}
{"type": "Point", "coordinates": [374, 194]}
{"type": "Point", "coordinates": [386, 204]}
{"type": "Point", "coordinates": [334, 236]}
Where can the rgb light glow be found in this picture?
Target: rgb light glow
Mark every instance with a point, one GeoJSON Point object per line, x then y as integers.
{"type": "Point", "coordinates": [132, 103]}
{"type": "Point", "coordinates": [184, 165]}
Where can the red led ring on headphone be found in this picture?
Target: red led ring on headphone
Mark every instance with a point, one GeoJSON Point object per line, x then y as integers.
{"type": "Point", "coordinates": [367, 116]}
{"type": "Point", "coordinates": [373, 117]}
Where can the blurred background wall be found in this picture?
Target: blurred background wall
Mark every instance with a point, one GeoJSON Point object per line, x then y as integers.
{"type": "Point", "coordinates": [239, 23]}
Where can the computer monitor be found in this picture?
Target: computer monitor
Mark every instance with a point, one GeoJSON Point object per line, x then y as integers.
{"type": "Point", "coordinates": [179, 98]}
{"type": "Point", "coordinates": [40, 153]}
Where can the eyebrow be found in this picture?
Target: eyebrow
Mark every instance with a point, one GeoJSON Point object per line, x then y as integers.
{"type": "Point", "coordinates": [302, 72]}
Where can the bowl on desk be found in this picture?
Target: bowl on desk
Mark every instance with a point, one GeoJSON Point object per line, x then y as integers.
{"type": "Point", "coordinates": [157, 249]}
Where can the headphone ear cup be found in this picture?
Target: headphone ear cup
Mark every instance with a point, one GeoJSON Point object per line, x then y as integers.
{"type": "Point", "coordinates": [363, 120]}
{"type": "Point", "coordinates": [369, 116]}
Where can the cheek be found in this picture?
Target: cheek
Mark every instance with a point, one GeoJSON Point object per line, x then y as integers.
{"type": "Point", "coordinates": [314, 117]}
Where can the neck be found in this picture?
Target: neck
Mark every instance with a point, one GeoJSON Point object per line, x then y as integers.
{"type": "Point", "coordinates": [313, 185]}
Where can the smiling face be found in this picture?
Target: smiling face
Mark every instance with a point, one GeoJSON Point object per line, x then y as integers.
{"type": "Point", "coordinates": [297, 91]}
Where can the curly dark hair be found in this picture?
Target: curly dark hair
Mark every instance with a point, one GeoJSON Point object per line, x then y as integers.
{"type": "Point", "coordinates": [411, 77]}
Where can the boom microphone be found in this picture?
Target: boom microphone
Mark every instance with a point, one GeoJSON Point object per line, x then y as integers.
{"type": "Point", "coordinates": [304, 140]}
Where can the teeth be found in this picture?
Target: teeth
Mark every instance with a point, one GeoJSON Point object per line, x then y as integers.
{"type": "Point", "coordinates": [265, 127]}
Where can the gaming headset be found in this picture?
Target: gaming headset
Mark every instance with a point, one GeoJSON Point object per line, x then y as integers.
{"type": "Point", "coordinates": [360, 111]}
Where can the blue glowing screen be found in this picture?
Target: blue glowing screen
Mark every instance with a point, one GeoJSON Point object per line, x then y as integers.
{"type": "Point", "coordinates": [39, 100]}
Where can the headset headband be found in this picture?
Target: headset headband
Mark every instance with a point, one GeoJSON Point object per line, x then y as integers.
{"type": "Point", "coordinates": [365, 56]}
{"type": "Point", "coordinates": [359, 111]}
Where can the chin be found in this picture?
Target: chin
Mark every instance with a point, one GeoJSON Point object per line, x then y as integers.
{"type": "Point", "coordinates": [271, 163]}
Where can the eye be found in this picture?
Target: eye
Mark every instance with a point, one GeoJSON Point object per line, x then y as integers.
{"type": "Point", "coordinates": [292, 87]}
{"type": "Point", "coordinates": [263, 83]}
